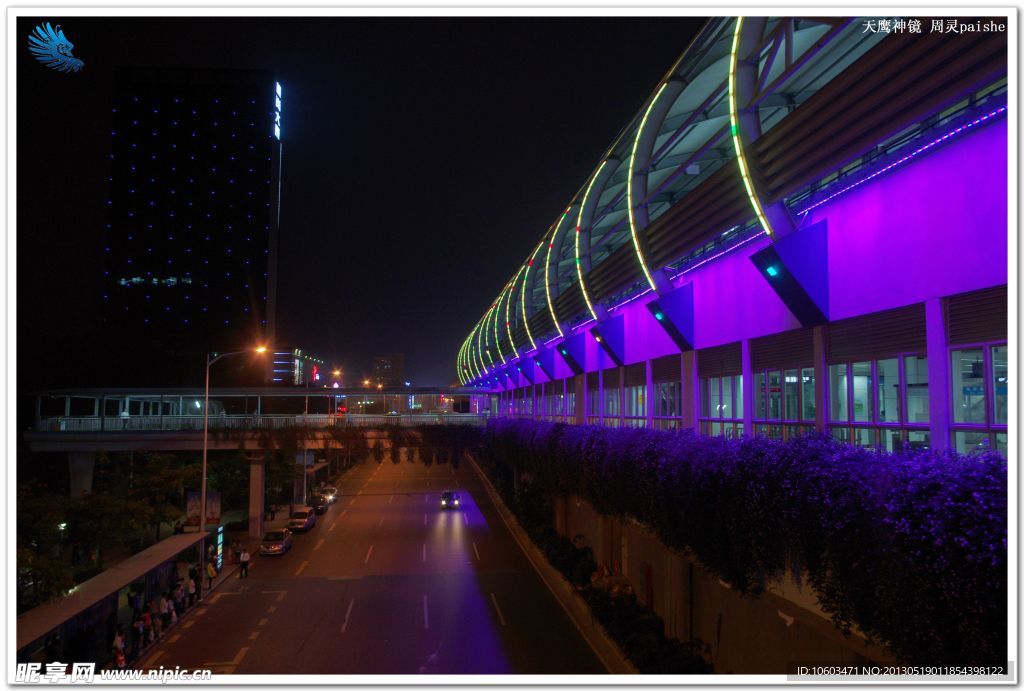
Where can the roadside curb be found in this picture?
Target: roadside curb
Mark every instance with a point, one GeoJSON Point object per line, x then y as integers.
{"type": "Point", "coordinates": [606, 650]}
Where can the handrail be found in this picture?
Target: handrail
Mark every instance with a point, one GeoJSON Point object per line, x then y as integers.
{"type": "Point", "coordinates": [194, 423]}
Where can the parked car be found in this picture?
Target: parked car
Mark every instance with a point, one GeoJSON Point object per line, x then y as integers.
{"type": "Point", "coordinates": [319, 503]}
{"type": "Point", "coordinates": [303, 518]}
{"type": "Point", "coordinates": [450, 500]}
{"type": "Point", "coordinates": [276, 542]}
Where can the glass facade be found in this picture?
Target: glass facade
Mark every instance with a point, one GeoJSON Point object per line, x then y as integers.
{"type": "Point", "coordinates": [979, 378]}
{"type": "Point", "coordinates": [880, 403]}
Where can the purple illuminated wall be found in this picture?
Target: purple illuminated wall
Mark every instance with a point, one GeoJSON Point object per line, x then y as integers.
{"type": "Point", "coordinates": [932, 228]}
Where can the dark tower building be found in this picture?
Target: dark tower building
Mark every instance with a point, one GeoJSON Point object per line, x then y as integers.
{"type": "Point", "coordinates": [194, 206]}
{"type": "Point", "coordinates": [389, 370]}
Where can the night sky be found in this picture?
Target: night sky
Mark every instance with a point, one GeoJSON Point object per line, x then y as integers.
{"type": "Point", "coordinates": [423, 160]}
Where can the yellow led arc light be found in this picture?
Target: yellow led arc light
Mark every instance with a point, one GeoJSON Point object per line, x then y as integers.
{"type": "Point", "coordinates": [734, 126]}
{"type": "Point", "coordinates": [526, 278]}
{"type": "Point", "coordinates": [467, 371]}
{"type": "Point", "coordinates": [487, 341]}
{"type": "Point", "coordinates": [579, 226]}
{"type": "Point", "coordinates": [629, 188]}
{"type": "Point", "coordinates": [508, 318]}
{"type": "Point", "coordinates": [497, 316]}
{"type": "Point", "coordinates": [478, 358]}
{"type": "Point", "coordinates": [547, 272]}
{"type": "Point", "coordinates": [458, 363]}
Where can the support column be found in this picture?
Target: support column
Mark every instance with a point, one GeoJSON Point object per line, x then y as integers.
{"type": "Point", "coordinates": [80, 468]}
{"type": "Point", "coordinates": [649, 393]}
{"type": "Point", "coordinates": [748, 387]}
{"type": "Point", "coordinates": [257, 491]}
{"type": "Point", "coordinates": [690, 394]}
{"type": "Point", "coordinates": [938, 373]}
{"type": "Point", "coordinates": [820, 378]}
{"type": "Point", "coordinates": [580, 391]}
{"type": "Point", "coordinates": [299, 486]}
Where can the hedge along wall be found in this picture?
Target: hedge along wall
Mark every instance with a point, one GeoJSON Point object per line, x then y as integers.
{"type": "Point", "coordinates": [910, 547]}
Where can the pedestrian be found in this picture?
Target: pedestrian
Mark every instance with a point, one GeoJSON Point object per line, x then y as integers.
{"type": "Point", "coordinates": [138, 632]}
{"type": "Point", "coordinates": [179, 599]}
{"type": "Point", "coordinates": [243, 559]}
{"type": "Point", "coordinates": [119, 639]}
{"type": "Point", "coordinates": [147, 626]}
{"type": "Point", "coordinates": [211, 573]}
{"type": "Point", "coordinates": [236, 551]}
{"type": "Point", "coordinates": [191, 592]}
{"type": "Point", "coordinates": [165, 617]}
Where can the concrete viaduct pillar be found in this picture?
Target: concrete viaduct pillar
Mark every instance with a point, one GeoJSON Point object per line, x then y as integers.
{"type": "Point", "coordinates": [80, 469]}
{"type": "Point", "coordinates": [257, 492]}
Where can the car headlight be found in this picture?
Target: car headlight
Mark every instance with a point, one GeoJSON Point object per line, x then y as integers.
{"type": "Point", "coordinates": [456, 502]}
{"type": "Point", "coordinates": [444, 503]}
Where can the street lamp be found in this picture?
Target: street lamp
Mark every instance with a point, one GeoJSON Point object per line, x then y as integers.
{"type": "Point", "coordinates": [206, 432]}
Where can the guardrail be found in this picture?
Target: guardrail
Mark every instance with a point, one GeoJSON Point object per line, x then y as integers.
{"type": "Point", "coordinates": [194, 423]}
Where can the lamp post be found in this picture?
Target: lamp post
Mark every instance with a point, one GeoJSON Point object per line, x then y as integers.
{"type": "Point", "coordinates": [206, 431]}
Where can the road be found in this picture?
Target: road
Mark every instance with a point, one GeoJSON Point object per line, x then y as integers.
{"type": "Point", "coordinates": [387, 583]}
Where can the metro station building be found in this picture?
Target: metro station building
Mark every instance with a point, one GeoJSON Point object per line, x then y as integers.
{"type": "Point", "coordinates": [804, 227]}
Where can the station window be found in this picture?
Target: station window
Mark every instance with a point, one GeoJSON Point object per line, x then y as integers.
{"type": "Point", "coordinates": [635, 395]}
{"type": "Point", "coordinates": [979, 379]}
{"type": "Point", "coordinates": [722, 406]}
{"type": "Point", "coordinates": [612, 402]}
{"type": "Point", "coordinates": [784, 402]}
{"type": "Point", "coordinates": [880, 403]}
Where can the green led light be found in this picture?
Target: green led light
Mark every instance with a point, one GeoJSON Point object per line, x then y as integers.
{"type": "Point", "coordinates": [629, 189]}
{"type": "Point", "coordinates": [659, 316]}
{"type": "Point", "coordinates": [579, 229]}
{"type": "Point", "coordinates": [772, 270]}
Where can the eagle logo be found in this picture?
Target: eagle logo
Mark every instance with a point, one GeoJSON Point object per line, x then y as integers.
{"type": "Point", "coordinates": [53, 49]}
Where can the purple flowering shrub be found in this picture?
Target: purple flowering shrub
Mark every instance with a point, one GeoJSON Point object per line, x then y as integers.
{"type": "Point", "coordinates": [909, 547]}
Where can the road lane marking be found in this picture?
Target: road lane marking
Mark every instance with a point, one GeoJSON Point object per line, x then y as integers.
{"type": "Point", "coordinates": [271, 609]}
{"type": "Point", "coordinates": [456, 482]}
{"type": "Point", "coordinates": [424, 552]}
{"type": "Point", "coordinates": [262, 622]}
{"type": "Point", "coordinates": [188, 624]}
{"type": "Point", "coordinates": [357, 493]}
{"type": "Point", "coordinates": [333, 526]}
{"type": "Point", "coordinates": [381, 523]}
{"type": "Point", "coordinates": [254, 635]}
{"type": "Point", "coordinates": [424, 499]}
{"type": "Point", "coordinates": [319, 544]}
{"type": "Point", "coordinates": [476, 552]}
{"type": "Point", "coordinates": [368, 553]}
{"type": "Point", "coordinates": [391, 499]}
{"type": "Point", "coordinates": [348, 613]}
{"type": "Point", "coordinates": [426, 614]}
{"type": "Point", "coordinates": [465, 517]}
{"type": "Point", "coordinates": [280, 593]}
{"type": "Point", "coordinates": [424, 519]}
{"type": "Point", "coordinates": [342, 514]}
{"type": "Point", "coordinates": [173, 638]}
{"type": "Point", "coordinates": [352, 503]}
{"type": "Point", "coordinates": [497, 609]}
{"type": "Point", "coordinates": [302, 566]}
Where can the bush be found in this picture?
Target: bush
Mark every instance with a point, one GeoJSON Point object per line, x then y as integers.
{"type": "Point", "coordinates": [910, 547]}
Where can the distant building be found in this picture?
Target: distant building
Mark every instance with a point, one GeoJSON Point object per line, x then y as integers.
{"type": "Point", "coordinates": [296, 367]}
{"type": "Point", "coordinates": [190, 252]}
{"type": "Point", "coordinates": [389, 370]}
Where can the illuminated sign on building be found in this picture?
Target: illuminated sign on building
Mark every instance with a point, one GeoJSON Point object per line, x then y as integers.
{"type": "Point", "coordinates": [277, 111]}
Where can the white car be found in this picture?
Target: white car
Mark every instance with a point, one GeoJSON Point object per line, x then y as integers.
{"type": "Point", "coordinates": [303, 518]}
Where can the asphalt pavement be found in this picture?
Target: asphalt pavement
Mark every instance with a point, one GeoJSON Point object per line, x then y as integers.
{"type": "Point", "coordinates": [387, 583]}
